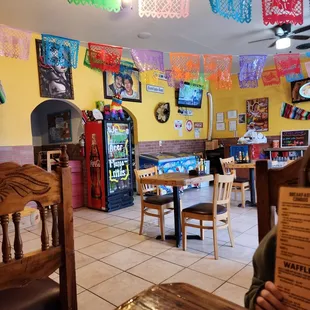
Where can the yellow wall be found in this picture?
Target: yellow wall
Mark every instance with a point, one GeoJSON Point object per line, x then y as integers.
{"type": "Point", "coordinates": [235, 99]}
{"type": "Point", "coordinates": [20, 81]}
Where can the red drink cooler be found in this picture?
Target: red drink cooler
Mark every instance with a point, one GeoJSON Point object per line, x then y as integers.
{"type": "Point", "coordinates": [109, 165]}
{"type": "Point", "coordinates": [95, 159]}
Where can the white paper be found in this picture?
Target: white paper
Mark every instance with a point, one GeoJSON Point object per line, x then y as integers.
{"type": "Point", "coordinates": [220, 126]}
{"type": "Point", "coordinates": [220, 117]}
{"type": "Point", "coordinates": [197, 133]}
{"type": "Point", "coordinates": [180, 132]}
{"type": "Point", "coordinates": [232, 125]}
{"type": "Point", "coordinates": [232, 114]}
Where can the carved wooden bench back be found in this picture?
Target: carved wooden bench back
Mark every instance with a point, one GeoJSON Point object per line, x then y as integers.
{"type": "Point", "coordinates": [20, 185]}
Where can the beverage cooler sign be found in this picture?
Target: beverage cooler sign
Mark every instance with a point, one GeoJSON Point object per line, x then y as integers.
{"type": "Point", "coordinates": [118, 156]}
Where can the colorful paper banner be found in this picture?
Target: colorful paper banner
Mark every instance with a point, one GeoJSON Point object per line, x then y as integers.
{"type": "Point", "coordinates": [185, 67]}
{"type": "Point", "coordinates": [146, 60]}
{"type": "Point", "coordinates": [271, 77]}
{"type": "Point", "coordinates": [14, 43]}
{"type": "Point", "coordinates": [105, 57]}
{"type": "Point", "coordinates": [287, 64]}
{"type": "Point", "coordinates": [239, 10]}
{"type": "Point", "coordinates": [251, 67]}
{"type": "Point", "coordinates": [283, 12]}
{"type": "Point", "coordinates": [164, 8]}
{"type": "Point", "coordinates": [59, 51]}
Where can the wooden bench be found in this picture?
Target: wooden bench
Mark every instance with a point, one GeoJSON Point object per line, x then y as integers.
{"type": "Point", "coordinates": [24, 282]}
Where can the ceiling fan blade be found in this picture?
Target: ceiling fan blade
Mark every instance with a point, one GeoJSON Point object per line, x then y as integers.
{"type": "Point", "coordinates": [302, 29]}
{"type": "Point", "coordinates": [261, 40]}
{"type": "Point", "coordinates": [273, 44]}
{"type": "Point", "coordinates": [299, 37]}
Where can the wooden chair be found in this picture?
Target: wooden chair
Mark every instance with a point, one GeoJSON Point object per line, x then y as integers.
{"type": "Point", "coordinates": [24, 282]}
{"type": "Point", "coordinates": [269, 180]}
{"type": "Point", "coordinates": [217, 211]}
{"type": "Point", "coordinates": [150, 199]}
{"type": "Point", "coordinates": [240, 185]}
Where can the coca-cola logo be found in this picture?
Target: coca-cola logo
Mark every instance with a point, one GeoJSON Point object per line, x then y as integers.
{"type": "Point", "coordinates": [95, 163]}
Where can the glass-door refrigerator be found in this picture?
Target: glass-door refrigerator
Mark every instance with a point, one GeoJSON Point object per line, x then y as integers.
{"type": "Point", "coordinates": [109, 165]}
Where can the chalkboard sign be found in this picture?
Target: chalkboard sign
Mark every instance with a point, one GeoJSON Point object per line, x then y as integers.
{"type": "Point", "coordinates": [294, 138]}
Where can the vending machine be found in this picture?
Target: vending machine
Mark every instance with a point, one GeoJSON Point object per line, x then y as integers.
{"type": "Point", "coordinates": [108, 165]}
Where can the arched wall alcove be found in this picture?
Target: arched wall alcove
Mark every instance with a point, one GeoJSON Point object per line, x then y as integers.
{"type": "Point", "coordinates": [39, 124]}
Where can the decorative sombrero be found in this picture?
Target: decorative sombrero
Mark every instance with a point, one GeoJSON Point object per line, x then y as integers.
{"type": "Point", "coordinates": [162, 112]}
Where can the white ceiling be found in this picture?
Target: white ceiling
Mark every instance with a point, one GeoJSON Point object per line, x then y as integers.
{"type": "Point", "coordinates": [202, 32]}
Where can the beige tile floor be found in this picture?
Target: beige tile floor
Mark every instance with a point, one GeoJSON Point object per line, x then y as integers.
{"type": "Point", "coordinates": [114, 263]}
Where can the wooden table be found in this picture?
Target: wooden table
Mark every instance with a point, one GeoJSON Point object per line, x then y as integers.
{"type": "Point", "coordinates": [176, 180]}
{"type": "Point", "coordinates": [250, 166]}
{"type": "Point", "coordinates": [177, 296]}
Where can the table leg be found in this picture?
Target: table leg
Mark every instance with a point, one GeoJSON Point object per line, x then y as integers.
{"type": "Point", "coordinates": [177, 220]}
{"type": "Point", "coordinates": [252, 202]}
{"type": "Point", "coordinates": [177, 215]}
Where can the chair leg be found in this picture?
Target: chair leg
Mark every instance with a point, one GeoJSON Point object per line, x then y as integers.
{"type": "Point", "coordinates": [202, 235]}
{"type": "Point", "coordinates": [243, 196]}
{"type": "Point", "coordinates": [216, 254]}
{"type": "Point", "coordinates": [142, 220]}
{"type": "Point", "coordinates": [231, 236]}
{"type": "Point", "coordinates": [184, 236]}
{"type": "Point", "coordinates": [162, 222]}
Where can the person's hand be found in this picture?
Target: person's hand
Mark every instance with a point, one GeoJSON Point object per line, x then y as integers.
{"type": "Point", "coordinates": [269, 298]}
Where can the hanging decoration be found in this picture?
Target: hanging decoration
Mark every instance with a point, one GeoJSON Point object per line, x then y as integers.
{"type": "Point", "coordinates": [294, 77]}
{"type": "Point", "coordinates": [283, 12]}
{"type": "Point", "coordinates": [108, 5]}
{"type": "Point", "coordinates": [164, 8]}
{"type": "Point", "coordinates": [218, 68]}
{"type": "Point", "coordinates": [185, 67]}
{"type": "Point", "coordinates": [58, 51]}
{"type": "Point", "coordinates": [105, 57]}
{"type": "Point", "coordinates": [287, 64]}
{"type": "Point", "coordinates": [169, 77]}
{"type": "Point", "coordinates": [271, 77]}
{"type": "Point", "coordinates": [14, 43]}
{"type": "Point", "coordinates": [251, 67]}
{"type": "Point", "coordinates": [126, 67]}
{"type": "Point", "coordinates": [239, 10]}
{"type": "Point", "coordinates": [247, 83]}
{"type": "Point", "coordinates": [307, 65]}
{"type": "Point", "coordinates": [291, 112]}
{"type": "Point", "coordinates": [201, 81]}
{"type": "Point", "coordinates": [146, 60]}
{"type": "Point", "coordinates": [307, 54]}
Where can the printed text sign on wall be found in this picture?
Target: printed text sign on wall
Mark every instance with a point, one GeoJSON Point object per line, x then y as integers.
{"type": "Point", "coordinates": [154, 89]}
{"type": "Point", "coordinates": [198, 125]}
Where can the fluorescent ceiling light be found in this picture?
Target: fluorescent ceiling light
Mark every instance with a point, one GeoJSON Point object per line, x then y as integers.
{"type": "Point", "coordinates": [283, 43]}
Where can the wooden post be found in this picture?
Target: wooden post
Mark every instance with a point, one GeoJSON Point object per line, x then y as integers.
{"type": "Point", "coordinates": [65, 212]}
{"type": "Point", "coordinates": [263, 204]}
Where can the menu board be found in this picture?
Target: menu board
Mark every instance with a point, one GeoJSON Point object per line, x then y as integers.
{"type": "Point", "coordinates": [292, 275]}
{"type": "Point", "coordinates": [118, 146]}
{"type": "Point", "coordinates": [294, 138]}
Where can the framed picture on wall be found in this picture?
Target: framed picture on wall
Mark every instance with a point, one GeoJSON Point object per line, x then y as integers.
{"type": "Point", "coordinates": [54, 81]}
{"type": "Point", "coordinates": [242, 118]}
{"type": "Point", "coordinates": [257, 114]}
{"type": "Point", "coordinates": [128, 85]}
{"type": "Point", "coordinates": [59, 127]}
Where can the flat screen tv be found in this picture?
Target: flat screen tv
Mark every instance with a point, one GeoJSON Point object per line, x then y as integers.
{"type": "Point", "coordinates": [190, 96]}
{"type": "Point", "coordinates": [300, 90]}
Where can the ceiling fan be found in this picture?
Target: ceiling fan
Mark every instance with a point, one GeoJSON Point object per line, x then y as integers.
{"type": "Point", "coordinates": [284, 32]}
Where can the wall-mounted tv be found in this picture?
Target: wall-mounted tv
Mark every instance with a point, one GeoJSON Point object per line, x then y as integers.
{"type": "Point", "coordinates": [300, 90]}
{"type": "Point", "coordinates": [189, 96]}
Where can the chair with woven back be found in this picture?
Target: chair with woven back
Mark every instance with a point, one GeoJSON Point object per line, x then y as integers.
{"type": "Point", "coordinates": [24, 282]}
{"type": "Point", "coordinates": [217, 212]}
{"type": "Point", "coordinates": [240, 185]}
{"type": "Point", "coordinates": [151, 200]}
